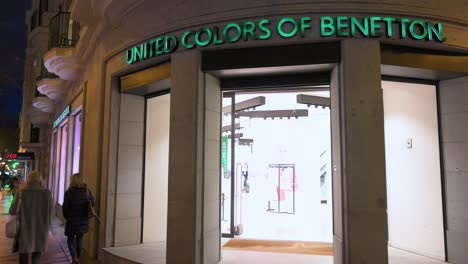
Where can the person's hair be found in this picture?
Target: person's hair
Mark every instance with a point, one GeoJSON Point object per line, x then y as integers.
{"type": "Point", "coordinates": [77, 181]}
{"type": "Point", "coordinates": [34, 177]}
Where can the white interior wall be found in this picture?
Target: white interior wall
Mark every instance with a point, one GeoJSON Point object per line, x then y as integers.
{"type": "Point", "coordinates": [285, 141]}
{"type": "Point", "coordinates": [156, 169]}
{"type": "Point", "coordinates": [414, 195]}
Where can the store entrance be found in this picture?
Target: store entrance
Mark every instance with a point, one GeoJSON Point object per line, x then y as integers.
{"type": "Point", "coordinates": [276, 186]}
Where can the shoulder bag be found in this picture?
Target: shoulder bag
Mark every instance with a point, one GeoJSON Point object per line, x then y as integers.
{"type": "Point", "coordinates": [12, 226]}
{"type": "Point", "coordinates": [91, 211]}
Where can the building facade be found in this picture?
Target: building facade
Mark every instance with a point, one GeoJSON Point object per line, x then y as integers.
{"type": "Point", "coordinates": [92, 66]}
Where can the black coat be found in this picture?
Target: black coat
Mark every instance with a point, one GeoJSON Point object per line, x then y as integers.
{"type": "Point", "coordinates": [75, 210]}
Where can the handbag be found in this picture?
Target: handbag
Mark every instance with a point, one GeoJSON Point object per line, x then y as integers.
{"type": "Point", "coordinates": [91, 211]}
{"type": "Point", "coordinates": [12, 226]}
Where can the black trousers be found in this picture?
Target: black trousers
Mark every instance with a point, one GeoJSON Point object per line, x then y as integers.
{"type": "Point", "coordinates": [24, 258]}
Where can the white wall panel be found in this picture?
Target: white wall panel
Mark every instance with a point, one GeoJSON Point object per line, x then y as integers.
{"type": "Point", "coordinates": [156, 169]}
{"type": "Point", "coordinates": [413, 173]}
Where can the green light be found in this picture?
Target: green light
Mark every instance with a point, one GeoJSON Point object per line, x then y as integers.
{"type": "Point", "coordinates": [185, 44]}
{"type": "Point", "coordinates": [374, 26]}
{"type": "Point", "coordinates": [209, 37]}
{"type": "Point", "coordinates": [438, 32]}
{"type": "Point", "coordinates": [129, 58]}
{"type": "Point", "coordinates": [285, 27]}
{"type": "Point", "coordinates": [403, 22]}
{"type": "Point", "coordinates": [327, 28]}
{"type": "Point", "coordinates": [262, 25]}
{"type": "Point", "coordinates": [249, 28]}
{"type": "Point", "coordinates": [362, 27]}
{"type": "Point", "coordinates": [284, 34]}
{"type": "Point", "coordinates": [422, 26]}
{"type": "Point", "coordinates": [170, 43]}
{"type": "Point", "coordinates": [216, 38]}
{"type": "Point", "coordinates": [62, 116]}
{"type": "Point", "coordinates": [305, 24]}
{"type": "Point", "coordinates": [159, 46]}
{"type": "Point", "coordinates": [389, 21]}
{"type": "Point", "coordinates": [342, 26]}
{"type": "Point", "coordinates": [237, 35]}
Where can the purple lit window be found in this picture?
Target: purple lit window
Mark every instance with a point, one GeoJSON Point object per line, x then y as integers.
{"type": "Point", "coordinates": [63, 162]}
{"type": "Point", "coordinates": [76, 144]}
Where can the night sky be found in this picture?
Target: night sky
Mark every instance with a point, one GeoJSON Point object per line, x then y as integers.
{"type": "Point", "coordinates": [13, 32]}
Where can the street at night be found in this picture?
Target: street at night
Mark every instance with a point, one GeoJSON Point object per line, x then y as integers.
{"type": "Point", "coordinates": [234, 132]}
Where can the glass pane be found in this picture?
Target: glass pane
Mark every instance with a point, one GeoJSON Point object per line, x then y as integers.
{"type": "Point", "coordinates": [52, 164]}
{"type": "Point", "coordinates": [76, 144]}
{"type": "Point", "coordinates": [283, 167]}
{"type": "Point", "coordinates": [63, 162]}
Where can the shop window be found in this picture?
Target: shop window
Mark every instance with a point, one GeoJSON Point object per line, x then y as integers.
{"type": "Point", "coordinates": [53, 162]}
{"type": "Point", "coordinates": [76, 144]}
{"type": "Point", "coordinates": [63, 162]}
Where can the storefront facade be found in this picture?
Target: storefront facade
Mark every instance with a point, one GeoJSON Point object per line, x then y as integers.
{"type": "Point", "coordinates": [130, 51]}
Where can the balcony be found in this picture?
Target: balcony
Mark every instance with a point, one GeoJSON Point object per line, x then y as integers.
{"type": "Point", "coordinates": [38, 118]}
{"type": "Point", "coordinates": [45, 8]}
{"type": "Point", "coordinates": [62, 59]}
{"type": "Point", "coordinates": [50, 85]}
{"type": "Point", "coordinates": [43, 103]}
{"type": "Point", "coordinates": [36, 20]}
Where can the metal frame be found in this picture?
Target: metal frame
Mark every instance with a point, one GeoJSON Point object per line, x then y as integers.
{"type": "Point", "coordinates": [442, 171]}
{"type": "Point", "coordinates": [279, 167]}
{"type": "Point", "coordinates": [232, 128]}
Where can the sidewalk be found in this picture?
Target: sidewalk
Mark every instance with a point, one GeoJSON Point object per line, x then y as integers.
{"type": "Point", "coordinates": [57, 252]}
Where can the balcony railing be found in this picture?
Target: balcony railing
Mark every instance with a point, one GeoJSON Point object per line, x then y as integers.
{"type": "Point", "coordinates": [35, 20]}
{"type": "Point", "coordinates": [45, 74]}
{"type": "Point", "coordinates": [63, 32]}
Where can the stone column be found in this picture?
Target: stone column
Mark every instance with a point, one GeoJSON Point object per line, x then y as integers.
{"type": "Point", "coordinates": [362, 165]}
{"type": "Point", "coordinates": [193, 231]}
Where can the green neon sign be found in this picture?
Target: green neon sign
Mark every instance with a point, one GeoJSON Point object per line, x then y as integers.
{"type": "Point", "coordinates": [62, 116]}
{"type": "Point", "coordinates": [289, 27]}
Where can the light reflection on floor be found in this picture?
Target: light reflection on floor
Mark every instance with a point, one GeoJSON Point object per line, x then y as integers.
{"type": "Point", "coordinates": [154, 253]}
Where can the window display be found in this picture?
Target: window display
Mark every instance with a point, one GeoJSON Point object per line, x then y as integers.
{"type": "Point", "coordinates": [281, 141]}
{"type": "Point", "coordinates": [76, 143]}
{"type": "Point", "coordinates": [65, 151]}
{"type": "Point", "coordinates": [63, 162]}
{"type": "Point", "coordinates": [285, 189]}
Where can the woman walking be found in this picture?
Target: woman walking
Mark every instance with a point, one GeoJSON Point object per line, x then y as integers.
{"type": "Point", "coordinates": [33, 207]}
{"type": "Point", "coordinates": [76, 210]}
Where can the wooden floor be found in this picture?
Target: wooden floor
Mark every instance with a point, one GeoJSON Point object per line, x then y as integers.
{"type": "Point", "coordinates": [292, 247]}
{"type": "Point", "coordinates": [56, 253]}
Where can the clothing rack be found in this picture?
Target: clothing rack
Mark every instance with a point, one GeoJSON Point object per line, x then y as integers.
{"type": "Point", "coordinates": [281, 167]}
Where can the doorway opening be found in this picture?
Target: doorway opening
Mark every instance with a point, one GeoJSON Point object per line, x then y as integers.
{"type": "Point", "coordinates": [276, 185]}
{"type": "Point", "coordinates": [413, 169]}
